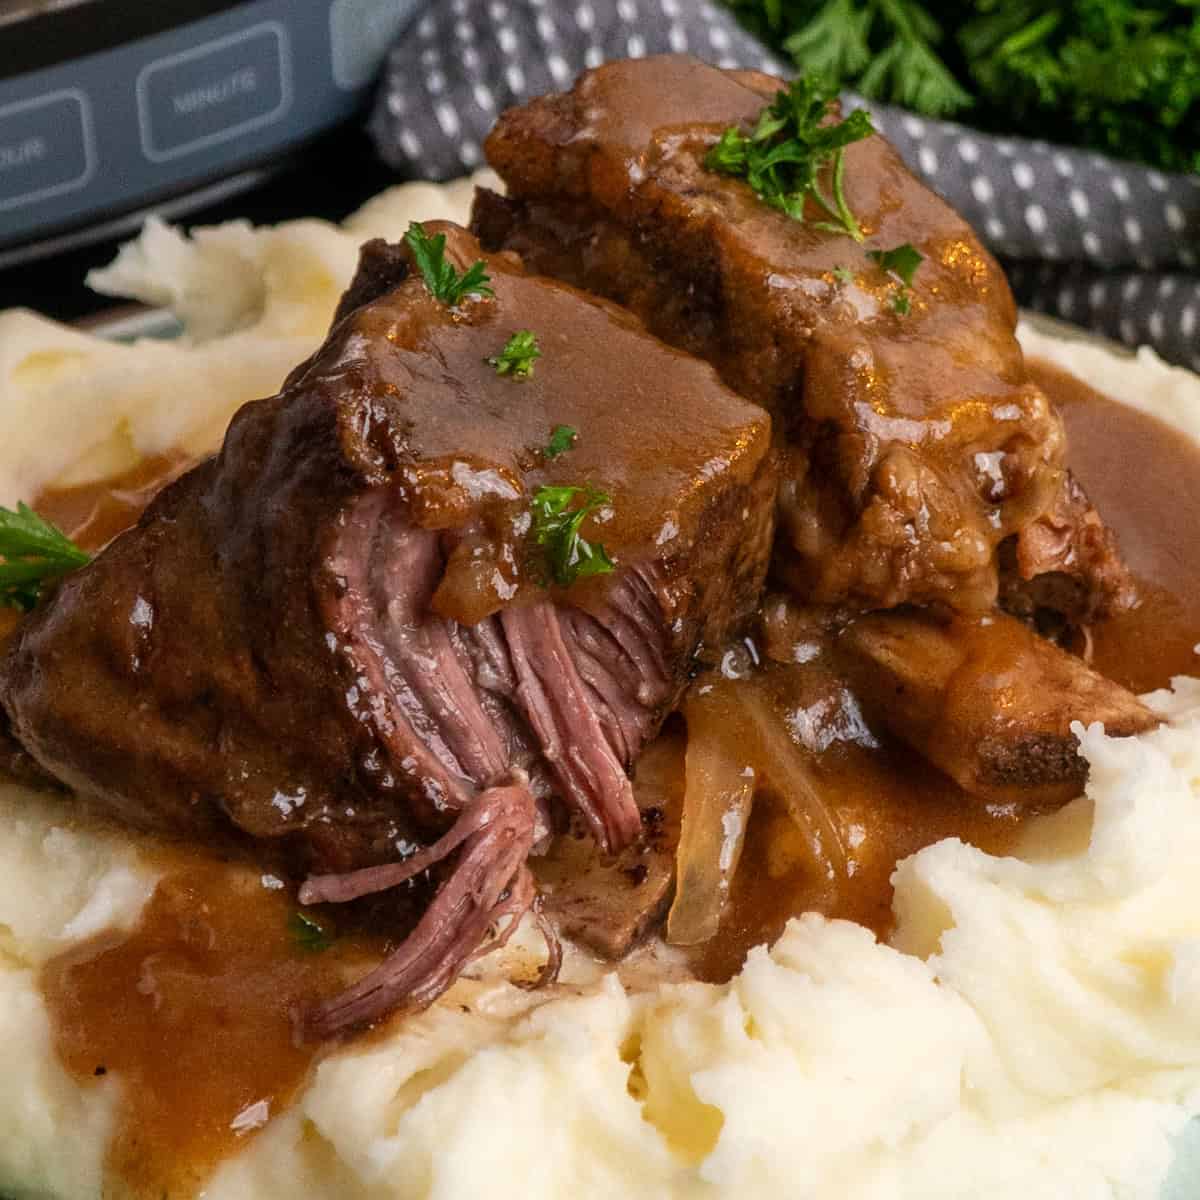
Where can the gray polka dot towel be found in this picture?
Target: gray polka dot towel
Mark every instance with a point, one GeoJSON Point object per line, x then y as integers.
{"type": "Point", "coordinates": [1110, 245]}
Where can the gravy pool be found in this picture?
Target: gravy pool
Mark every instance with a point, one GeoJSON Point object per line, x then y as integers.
{"type": "Point", "coordinates": [194, 1008]}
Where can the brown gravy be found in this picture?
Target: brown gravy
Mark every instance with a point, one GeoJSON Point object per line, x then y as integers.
{"type": "Point", "coordinates": [887, 803]}
{"type": "Point", "coordinates": [1144, 478]}
{"type": "Point", "coordinates": [888, 800]}
{"type": "Point", "coordinates": [194, 1008]}
{"type": "Point", "coordinates": [93, 514]}
{"type": "Point", "coordinates": [195, 1012]}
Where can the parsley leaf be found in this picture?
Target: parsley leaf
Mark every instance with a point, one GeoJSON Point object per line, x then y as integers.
{"type": "Point", "coordinates": [33, 553]}
{"type": "Point", "coordinates": [843, 274]}
{"type": "Point", "coordinates": [518, 356]}
{"type": "Point", "coordinates": [834, 42]}
{"type": "Point", "coordinates": [791, 146]}
{"type": "Point", "coordinates": [562, 438]}
{"type": "Point", "coordinates": [558, 513]}
{"type": "Point", "coordinates": [901, 261]}
{"type": "Point", "coordinates": [1120, 76]}
{"type": "Point", "coordinates": [309, 935]}
{"type": "Point", "coordinates": [442, 280]}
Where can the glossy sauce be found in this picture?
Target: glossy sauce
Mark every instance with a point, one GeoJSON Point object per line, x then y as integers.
{"type": "Point", "coordinates": [195, 1009]}
{"type": "Point", "coordinates": [469, 441]}
{"type": "Point", "coordinates": [891, 803]}
{"type": "Point", "coordinates": [93, 514]}
{"type": "Point", "coordinates": [195, 1012]}
{"type": "Point", "coordinates": [1144, 479]}
{"type": "Point", "coordinates": [902, 401]}
{"type": "Point", "coordinates": [884, 801]}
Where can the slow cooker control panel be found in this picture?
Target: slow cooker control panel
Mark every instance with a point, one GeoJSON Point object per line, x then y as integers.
{"type": "Point", "coordinates": [112, 131]}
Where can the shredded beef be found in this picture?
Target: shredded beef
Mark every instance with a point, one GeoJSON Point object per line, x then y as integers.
{"type": "Point", "coordinates": [337, 637]}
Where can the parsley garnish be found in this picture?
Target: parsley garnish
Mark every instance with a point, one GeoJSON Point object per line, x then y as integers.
{"type": "Point", "coordinates": [1119, 76]}
{"type": "Point", "coordinates": [442, 280]}
{"type": "Point", "coordinates": [886, 46]}
{"type": "Point", "coordinates": [518, 356]}
{"type": "Point", "coordinates": [843, 274]}
{"type": "Point", "coordinates": [558, 512]}
{"type": "Point", "coordinates": [309, 935]}
{"type": "Point", "coordinates": [562, 438]}
{"type": "Point", "coordinates": [33, 553]}
{"type": "Point", "coordinates": [783, 157]}
{"type": "Point", "coordinates": [901, 262]}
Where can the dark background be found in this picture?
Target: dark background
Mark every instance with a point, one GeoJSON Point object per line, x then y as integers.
{"type": "Point", "coordinates": [330, 177]}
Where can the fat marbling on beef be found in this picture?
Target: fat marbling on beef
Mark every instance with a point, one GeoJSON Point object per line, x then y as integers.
{"type": "Point", "coordinates": [919, 464]}
{"type": "Point", "coordinates": [337, 637]}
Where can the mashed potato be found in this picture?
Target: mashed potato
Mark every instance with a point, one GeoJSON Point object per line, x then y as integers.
{"type": "Point", "coordinates": [1032, 1031]}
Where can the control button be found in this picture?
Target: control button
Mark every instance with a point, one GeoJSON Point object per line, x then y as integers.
{"type": "Point", "coordinates": [46, 147]}
{"type": "Point", "coordinates": [360, 33]}
{"type": "Point", "coordinates": [214, 92]}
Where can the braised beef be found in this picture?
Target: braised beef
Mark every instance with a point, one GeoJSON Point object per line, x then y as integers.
{"type": "Point", "coordinates": [987, 700]}
{"type": "Point", "coordinates": [914, 445]}
{"type": "Point", "coordinates": [338, 637]}
{"type": "Point", "coordinates": [15, 763]}
{"type": "Point", "coordinates": [610, 904]}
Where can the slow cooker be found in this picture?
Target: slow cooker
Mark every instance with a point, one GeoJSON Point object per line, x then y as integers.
{"type": "Point", "coordinates": [111, 107]}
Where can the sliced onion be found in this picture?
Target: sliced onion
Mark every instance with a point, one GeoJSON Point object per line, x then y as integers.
{"type": "Point", "coordinates": [788, 769]}
{"type": "Point", "coordinates": [737, 742]}
{"type": "Point", "coordinates": [719, 790]}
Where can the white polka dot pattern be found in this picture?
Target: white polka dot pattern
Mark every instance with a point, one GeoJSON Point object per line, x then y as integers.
{"type": "Point", "coordinates": [1053, 203]}
{"type": "Point", "coordinates": [1133, 307]}
{"type": "Point", "coordinates": [463, 63]}
{"type": "Point", "coordinates": [1111, 245]}
{"type": "Point", "coordinates": [1107, 244]}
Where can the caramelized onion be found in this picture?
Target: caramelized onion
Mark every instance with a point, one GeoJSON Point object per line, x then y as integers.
{"type": "Point", "coordinates": [737, 743]}
{"type": "Point", "coordinates": [719, 790]}
{"type": "Point", "coordinates": [788, 770]}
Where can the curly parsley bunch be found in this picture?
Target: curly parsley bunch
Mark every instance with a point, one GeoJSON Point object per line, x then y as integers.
{"type": "Point", "coordinates": [1118, 76]}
